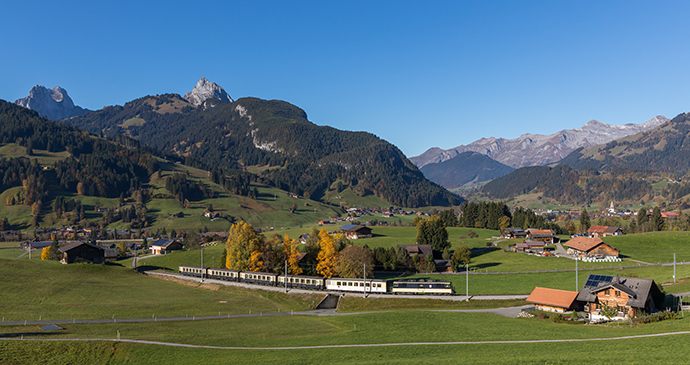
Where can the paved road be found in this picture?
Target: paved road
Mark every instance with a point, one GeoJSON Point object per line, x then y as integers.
{"type": "Point", "coordinates": [502, 342]}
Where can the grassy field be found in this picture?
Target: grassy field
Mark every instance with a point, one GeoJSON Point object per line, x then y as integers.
{"type": "Point", "coordinates": [350, 304]}
{"type": "Point", "coordinates": [394, 327]}
{"type": "Point", "coordinates": [653, 247]}
{"type": "Point", "coordinates": [49, 290]}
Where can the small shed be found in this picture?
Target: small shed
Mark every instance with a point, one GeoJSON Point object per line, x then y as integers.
{"type": "Point", "coordinates": [78, 252]}
{"type": "Point", "coordinates": [553, 300]}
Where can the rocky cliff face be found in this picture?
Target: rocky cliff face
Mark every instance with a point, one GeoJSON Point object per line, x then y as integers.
{"type": "Point", "coordinates": [537, 149]}
{"type": "Point", "coordinates": [205, 90]}
{"type": "Point", "coordinates": [52, 104]}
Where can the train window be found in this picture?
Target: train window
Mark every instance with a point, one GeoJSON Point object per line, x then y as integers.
{"type": "Point", "coordinates": [349, 283]}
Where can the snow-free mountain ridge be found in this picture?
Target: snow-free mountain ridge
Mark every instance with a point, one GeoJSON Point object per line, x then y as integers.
{"type": "Point", "coordinates": [538, 149]}
{"type": "Point", "coordinates": [205, 90]}
{"type": "Point", "coordinates": [52, 104]}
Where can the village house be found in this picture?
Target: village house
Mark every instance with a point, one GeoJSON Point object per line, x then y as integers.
{"type": "Point", "coordinates": [529, 246]}
{"type": "Point", "coordinates": [514, 233]}
{"type": "Point", "coordinates": [354, 232]}
{"type": "Point", "coordinates": [82, 252]}
{"type": "Point", "coordinates": [163, 246]}
{"type": "Point", "coordinates": [545, 235]}
{"type": "Point", "coordinates": [631, 297]}
{"type": "Point", "coordinates": [582, 247]}
{"type": "Point", "coordinates": [554, 300]}
{"type": "Point", "coordinates": [604, 231]}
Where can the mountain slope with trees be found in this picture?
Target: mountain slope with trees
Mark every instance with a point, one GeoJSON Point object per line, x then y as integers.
{"type": "Point", "coordinates": [467, 167]}
{"type": "Point", "coordinates": [274, 140]}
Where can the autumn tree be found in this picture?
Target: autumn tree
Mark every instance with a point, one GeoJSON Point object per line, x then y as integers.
{"type": "Point", "coordinates": [242, 241]}
{"type": "Point", "coordinates": [352, 261]}
{"type": "Point", "coordinates": [45, 253]}
{"type": "Point", "coordinates": [503, 223]}
{"type": "Point", "coordinates": [291, 254]}
{"type": "Point", "coordinates": [327, 255]}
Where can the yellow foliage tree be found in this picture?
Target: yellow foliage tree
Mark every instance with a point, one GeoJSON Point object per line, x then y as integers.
{"type": "Point", "coordinates": [328, 254]}
{"type": "Point", "coordinates": [45, 253]}
{"type": "Point", "coordinates": [257, 261]}
{"type": "Point", "coordinates": [291, 252]}
{"type": "Point", "coordinates": [242, 241]}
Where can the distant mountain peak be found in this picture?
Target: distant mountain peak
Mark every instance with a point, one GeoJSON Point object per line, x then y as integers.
{"type": "Point", "coordinates": [537, 149]}
{"type": "Point", "coordinates": [52, 104]}
{"type": "Point", "coordinates": [205, 90]}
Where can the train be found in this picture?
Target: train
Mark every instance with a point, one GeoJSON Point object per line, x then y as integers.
{"type": "Point", "coordinates": [376, 286]}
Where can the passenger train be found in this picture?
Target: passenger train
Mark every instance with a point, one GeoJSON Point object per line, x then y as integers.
{"type": "Point", "coordinates": [380, 286]}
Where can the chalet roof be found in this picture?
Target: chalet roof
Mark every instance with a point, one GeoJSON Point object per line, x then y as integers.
{"type": "Point", "coordinates": [583, 244]}
{"type": "Point", "coordinates": [639, 289]}
{"type": "Point", "coordinates": [352, 228]}
{"type": "Point", "coordinates": [421, 250]}
{"type": "Point", "coordinates": [603, 229]}
{"type": "Point", "coordinates": [552, 297]}
{"type": "Point", "coordinates": [76, 244]}
{"type": "Point", "coordinates": [530, 244]}
{"type": "Point", "coordinates": [540, 231]}
{"type": "Point", "coordinates": [162, 243]}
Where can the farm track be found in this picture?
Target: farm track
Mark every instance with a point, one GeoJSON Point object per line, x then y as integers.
{"type": "Point", "coordinates": [499, 342]}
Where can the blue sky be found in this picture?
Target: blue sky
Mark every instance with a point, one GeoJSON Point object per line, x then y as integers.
{"type": "Point", "coordinates": [418, 74]}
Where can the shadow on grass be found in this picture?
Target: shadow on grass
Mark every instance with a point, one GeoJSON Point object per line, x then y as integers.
{"type": "Point", "coordinates": [20, 334]}
{"type": "Point", "coordinates": [486, 265]}
{"type": "Point", "coordinates": [476, 252]}
{"type": "Point", "coordinates": [142, 268]}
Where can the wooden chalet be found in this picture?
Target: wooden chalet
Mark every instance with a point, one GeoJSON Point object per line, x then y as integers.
{"type": "Point", "coordinates": [554, 300]}
{"type": "Point", "coordinates": [82, 252]}
{"type": "Point", "coordinates": [163, 246]}
{"type": "Point", "coordinates": [421, 250]}
{"type": "Point", "coordinates": [354, 232]}
{"type": "Point", "coordinates": [589, 247]}
{"type": "Point", "coordinates": [545, 235]}
{"type": "Point", "coordinates": [604, 231]}
{"type": "Point", "coordinates": [529, 246]}
{"type": "Point", "coordinates": [515, 233]}
{"type": "Point", "coordinates": [631, 297]}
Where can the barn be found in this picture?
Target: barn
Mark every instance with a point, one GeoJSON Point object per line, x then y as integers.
{"type": "Point", "coordinates": [79, 252]}
{"type": "Point", "coordinates": [590, 247]}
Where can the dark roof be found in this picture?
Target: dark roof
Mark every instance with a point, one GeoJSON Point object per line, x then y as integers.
{"type": "Point", "coordinates": [422, 250]}
{"type": "Point", "coordinates": [162, 243]}
{"type": "Point", "coordinates": [350, 227]}
{"type": "Point", "coordinates": [638, 289]}
{"type": "Point", "coordinates": [76, 244]}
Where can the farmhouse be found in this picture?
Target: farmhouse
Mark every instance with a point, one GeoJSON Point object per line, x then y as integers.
{"type": "Point", "coordinates": [515, 233]}
{"type": "Point", "coordinates": [163, 246]}
{"type": "Point", "coordinates": [529, 246]}
{"type": "Point", "coordinates": [631, 297]}
{"type": "Point", "coordinates": [545, 235]}
{"type": "Point", "coordinates": [604, 231]}
{"type": "Point", "coordinates": [589, 247]}
{"type": "Point", "coordinates": [354, 232]}
{"type": "Point", "coordinates": [421, 250]}
{"type": "Point", "coordinates": [553, 300]}
{"type": "Point", "coordinates": [78, 251]}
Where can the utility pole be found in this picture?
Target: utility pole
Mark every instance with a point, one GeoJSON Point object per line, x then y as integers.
{"type": "Point", "coordinates": [674, 267]}
{"type": "Point", "coordinates": [365, 280]}
{"type": "Point", "coordinates": [467, 282]}
{"type": "Point", "coordinates": [202, 264]}
{"type": "Point", "coordinates": [286, 279]}
{"type": "Point", "coordinates": [577, 285]}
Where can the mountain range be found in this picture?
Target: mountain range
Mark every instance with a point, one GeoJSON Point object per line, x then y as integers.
{"type": "Point", "coordinates": [537, 149]}
{"type": "Point", "coordinates": [270, 139]}
{"type": "Point", "coordinates": [467, 168]}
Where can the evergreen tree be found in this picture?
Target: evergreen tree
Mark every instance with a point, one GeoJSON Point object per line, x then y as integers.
{"type": "Point", "coordinates": [584, 221]}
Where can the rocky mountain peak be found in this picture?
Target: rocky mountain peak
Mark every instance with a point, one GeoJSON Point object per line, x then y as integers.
{"type": "Point", "coordinates": [205, 90]}
{"type": "Point", "coordinates": [52, 104]}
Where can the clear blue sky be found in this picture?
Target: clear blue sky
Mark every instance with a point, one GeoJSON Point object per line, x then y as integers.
{"type": "Point", "coordinates": [418, 74]}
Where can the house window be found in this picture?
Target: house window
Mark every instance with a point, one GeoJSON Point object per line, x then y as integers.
{"type": "Point", "coordinates": [618, 293]}
{"type": "Point", "coordinates": [606, 292]}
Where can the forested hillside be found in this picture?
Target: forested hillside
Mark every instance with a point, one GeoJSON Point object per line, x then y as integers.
{"type": "Point", "coordinates": [570, 186]}
{"type": "Point", "coordinates": [467, 167]}
{"type": "Point", "coordinates": [94, 167]}
{"type": "Point", "coordinates": [274, 140]}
